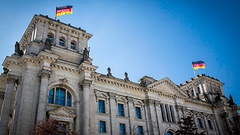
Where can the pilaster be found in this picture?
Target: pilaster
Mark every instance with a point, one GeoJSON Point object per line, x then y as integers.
{"type": "Point", "coordinates": [11, 80]}
{"type": "Point", "coordinates": [113, 112]}
{"type": "Point", "coordinates": [42, 101]}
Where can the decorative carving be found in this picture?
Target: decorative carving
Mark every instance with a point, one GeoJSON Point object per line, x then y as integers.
{"type": "Point", "coordinates": [47, 44]}
{"type": "Point", "coordinates": [157, 103]}
{"type": "Point", "coordinates": [5, 70]}
{"type": "Point", "coordinates": [126, 79]}
{"type": "Point", "coordinates": [63, 81]}
{"type": "Point", "coordinates": [85, 54]}
{"type": "Point", "coordinates": [109, 74]}
{"type": "Point", "coordinates": [86, 83]}
{"type": "Point", "coordinates": [11, 79]}
{"type": "Point", "coordinates": [150, 101]}
{"type": "Point", "coordinates": [130, 99]}
{"type": "Point", "coordinates": [45, 74]}
{"type": "Point", "coordinates": [18, 52]}
{"type": "Point", "coordinates": [112, 95]}
{"type": "Point", "coordinates": [143, 83]}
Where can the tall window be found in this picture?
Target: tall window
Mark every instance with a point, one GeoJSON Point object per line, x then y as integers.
{"type": "Point", "coordinates": [120, 110]}
{"type": "Point", "coordinates": [163, 112]}
{"type": "Point", "coordinates": [50, 37]}
{"type": "Point", "coordinates": [193, 93]}
{"type": "Point", "coordinates": [138, 112]}
{"type": "Point", "coordinates": [210, 124]}
{"type": "Point", "coordinates": [61, 42]}
{"type": "Point", "coordinates": [73, 46]}
{"type": "Point", "coordinates": [140, 130]}
{"type": "Point", "coordinates": [200, 123]}
{"type": "Point", "coordinates": [102, 126]}
{"type": "Point", "coordinates": [172, 113]}
{"type": "Point", "coordinates": [60, 96]}
{"type": "Point", "coordinates": [169, 133]}
{"type": "Point", "coordinates": [101, 106]}
{"type": "Point", "coordinates": [122, 129]}
{"type": "Point", "coordinates": [199, 91]}
{"type": "Point", "coordinates": [167, 113]}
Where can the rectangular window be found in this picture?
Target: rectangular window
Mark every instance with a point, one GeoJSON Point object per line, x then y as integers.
{"type": "Point", "coordinates": [172, 113]}
{"type": "Point", "coordinates": [163, 112]}
{"type": "Point", "coordinates": [140, 130]}
{"type": "Point", "coordinates": [122, 129]}
{"type": "Point", "coordinates": [138, 112]}
{"type": "Point", "coordinates": [210, 124]}
{"type": "Point", "coordinates": [120, 110]}
{"type": "Point", "coordinates": [167, 113]}
{"type": "Point", "coordinates": [200, 123]}
{"type": "Point", "coordinates": [102, 126]}
{"type": "Point", "coordinates": [101, 106]}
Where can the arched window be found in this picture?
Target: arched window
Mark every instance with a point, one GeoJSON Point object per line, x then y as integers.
{"type": "Point", "coordinates": [169, 133]}
{"type": "Point", "coordinates": [50, 37]}
{"type": "Point", "coordinates": [60, 96]}
{"type": "Point", "coordinates": [73, 45]}
{"type": "Point", "coordinates": [193, 93]}
{"type": "Point", "coordinates": [199, 91]}
{"type": "Point", "coordinates": [61, 42]}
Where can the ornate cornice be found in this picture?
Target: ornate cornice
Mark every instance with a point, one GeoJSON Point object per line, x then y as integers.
{"type": "Point", "coordinates": [65, 68]}
{"type": "Point", "coordinates": [67, 113]}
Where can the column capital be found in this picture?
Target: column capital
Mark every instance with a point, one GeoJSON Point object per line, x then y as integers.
{"type": "Point", "coordinates": [157, 103]}
{"type": "Point", "coordinates": [112, 95]}
{"type": "Point", "coordinates": [45, 73]}
{"type": "Point", "coordinates": [85, 83]}
{"type": "Point", "coordinates": [11, 78]}
{"type": "Point", "coordinates": [150, 101]}
{"type": "Point", "coordinates": [130, 99]}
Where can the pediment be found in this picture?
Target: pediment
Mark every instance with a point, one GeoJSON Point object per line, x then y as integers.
{"type": "Point", "coordinates": [166, 86]}
{"type": "Point", "coordinates": [62, 112]}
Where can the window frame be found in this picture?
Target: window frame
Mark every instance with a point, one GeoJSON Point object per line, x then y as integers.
{"type": "Point", "coordinates": [140, 130]}
{"type": "Point", "coordinates": [121, 109]}
{"type": "Point", "coordinates": [53, 99]}
{"type": "Point", "coordinates": [122, 128]}
{"type": "Point", "coordinates": [101, 109]}
{"type": "Point", "coordinates": [73, 43]}
{"type": "Point", "coordinates": [200, 124]}
{"type": "Point", "coordinates": [61, 41]}
{"type": "Point", "coordinates": [102, 126]}
{"type": "Point", "coordinates": [138, 112]}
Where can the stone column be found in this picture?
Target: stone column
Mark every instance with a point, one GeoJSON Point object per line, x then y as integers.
{"type": "Point", "coordinates": [152, 117]}
{"type": "Point", "coordinates": [158, 114]}
{"type": "Point", "coordinates": [205, 121]}
{"type": "Point", "coordinates": [42, 101]}
{"type": "Point", "coordinates": [77, 125]}
{"type": "Point", "coordinates": [1, 100]}
{"type": "Point", "coordinates": [56, 40]}
{"type": "Point", "coordinates": [68, 42]}
{"type": "Point", "coordinates": [86, 119]}
{"type": "Point", "coordinates": [131, 112]}
{"type": "Point", "coordinates": [11, 79]}
{"type": "Point", "coordinates": [113, 113]}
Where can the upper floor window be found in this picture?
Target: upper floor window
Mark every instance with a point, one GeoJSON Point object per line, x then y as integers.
{"type": "Point", "coordinates": [140, 130]}
{"type": "Point", "coordinates": [101, 106]}
{"type": "Point", "coordinates": [210, 124]}
{"type": "Point", "coordinates": [162, 112]}
{"type": "Point", "coordinates": [120, 110]}
{"type": "Point", "coordinates": [50, 37]}
{"type": "Point", "coordinates": [61, 42]}
{"type": "Point", "coordinates": [199, 91]}
{"type": "Point", "coordinates": [138, 112]}
{"type": "Point", "coordinates": [193, 93]}
{"type": "Point", "coordinates": [200, 122]}
{"type": "Point", "coordinates": [102, 126]}
{"type": "Point", "coordinates": [122, 129]}
{"type": "Point", "coordinates": [73, 46]}
{"type": "Point", "coordinates": [60, 96]}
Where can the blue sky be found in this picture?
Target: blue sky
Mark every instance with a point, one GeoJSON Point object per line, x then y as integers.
{"type": "Point", "coordinates": [145, 37]}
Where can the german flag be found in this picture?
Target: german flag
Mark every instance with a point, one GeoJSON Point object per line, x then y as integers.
{"type": "Point", "coordinates": [198, 64]}
{"type": "Point", "coordinates": [60, 11]}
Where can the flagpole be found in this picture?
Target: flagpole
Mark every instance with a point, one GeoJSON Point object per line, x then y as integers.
{"type": "Point", "coordinates": [56, 14]}
{"type": "Point", "coordinates": [194, 72]}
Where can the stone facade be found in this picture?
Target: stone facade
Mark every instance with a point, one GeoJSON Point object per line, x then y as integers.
{"type": "Point", "coordinates": [51, 75]}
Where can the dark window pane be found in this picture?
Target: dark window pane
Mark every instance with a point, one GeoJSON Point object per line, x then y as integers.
{"type": "Point", "coordinates": [120, 110]}
{"type": "Point", "coordinates": [61, 42]}
{"type": "Point", "coordinates": [140, 130]}
{"type": "Point", "coordinates": [50, 37]}
{"type": "Point", "coordinates": [138, 112]}
{"type": "Point", "coordinates": [73, 46]}
{"type": "Point", "coordinates": [60, 96]}
{"type": "Point", "coordinates": [51, 96]}
{"type": "Point", "coordinates": [210, 124]}
{"type": "Point", "coordinates": [200, 123]}
{"type": "Point", "coordinates": [102, 126]}
{"type": "Point", "coordinates": [122, 128]}
{"type": "Point", "coordinates": [69, 99]}
{"type": "Point", "coordinates": [101, 106]}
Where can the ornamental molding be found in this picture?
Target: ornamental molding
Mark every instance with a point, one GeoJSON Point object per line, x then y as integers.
{"type": "Point", "coordinates": [62, 112]}
{"type": "Point", "coordinates": [101, 95]}
{"type": "Point", "coordinates": [60, 66]}
{"type": "Point", "coordinates": [137, 102]}
{"type": "Point", "coordinates": [169, 83]}
{"type": "Point", "coordinates": [47, 56]}
{"type": "Point", "coordinates": [118, 83]}
{"type": "Point", "coordinates": [87, 67]}
{"type": "Point", "coordinates": [121, 99]}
